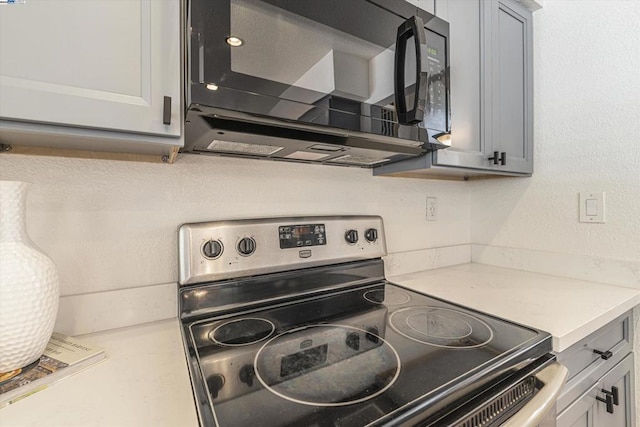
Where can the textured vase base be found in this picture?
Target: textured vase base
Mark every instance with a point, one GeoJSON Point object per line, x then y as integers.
{"type": "Point", "coordinates": [29, 290]}
{"type": "Point", "coordinates": [6, 376]}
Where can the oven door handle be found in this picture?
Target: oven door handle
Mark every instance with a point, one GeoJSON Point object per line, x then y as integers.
{"type": "Point", "coordinates": [530, 415]}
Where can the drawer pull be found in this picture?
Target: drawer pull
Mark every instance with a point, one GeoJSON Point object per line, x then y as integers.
{"type": "Point", "coordinates": [606, 355]}
{"type": "Point", "coordinates": [608, 399]}
{"type": "Point", "coordinates": [615, 397]}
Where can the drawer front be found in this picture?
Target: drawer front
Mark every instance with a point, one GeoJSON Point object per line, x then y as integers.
{"type": "Point", "coordinates": [586, 366]}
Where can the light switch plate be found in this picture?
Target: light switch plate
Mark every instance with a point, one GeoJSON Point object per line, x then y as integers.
{"type": "Point", "coordinates": [592, 207]}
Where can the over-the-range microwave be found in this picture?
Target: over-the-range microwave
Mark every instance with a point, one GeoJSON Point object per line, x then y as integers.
{"type": "Point", "coordinates": [343, 82]}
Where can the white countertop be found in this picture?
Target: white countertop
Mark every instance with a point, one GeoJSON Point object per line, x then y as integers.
{"type": "Point", "coordinates": [145, 381]}
{"type": "Point", "coordinates": [568, 309]}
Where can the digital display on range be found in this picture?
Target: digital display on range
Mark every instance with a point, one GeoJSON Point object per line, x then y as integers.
{"type": "Point", "coordinates": [298, 236]}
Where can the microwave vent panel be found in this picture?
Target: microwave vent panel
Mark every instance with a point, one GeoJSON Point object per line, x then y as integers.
{"type": "Point", "coordinates": [304, 155]}
{"type": "Point", "coordinates": [351, 159]}
{"type": "Point", "coordinates": [242, 148]}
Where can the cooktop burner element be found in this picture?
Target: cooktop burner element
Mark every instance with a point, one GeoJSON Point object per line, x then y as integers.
{"type": "Point", "coordinates": [388, 297]}
{"type": "Point", "coordinates": [441, 327]}
{"type": "Point", "coordinates": [304, 330]}
{"type": "Point", "coordinates": [327, 365]}
{"type": "Point", "coordinates": [242, 332]}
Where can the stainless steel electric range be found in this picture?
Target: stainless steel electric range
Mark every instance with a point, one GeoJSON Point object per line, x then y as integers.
{"type": "Point", "coordinates": [290, 322]}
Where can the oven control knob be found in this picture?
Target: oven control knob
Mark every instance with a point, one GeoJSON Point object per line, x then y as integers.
{"type": "Point", "coordinates": [351, 237]}
{"type": "Point", "coordinates": [215, 384]}
{"type": "Point", "coordinates": [373, 334]}
{"type": "Point", "coordinates": [247, 374]}
{"type": "Point", "coordinates": [371, 235]}
{"type": "Point", "coordinates": [212, 249]}
{"type": "Point", "coordinates": [353, 341]}
{"type": "Point", "coordinates": [246, 246]}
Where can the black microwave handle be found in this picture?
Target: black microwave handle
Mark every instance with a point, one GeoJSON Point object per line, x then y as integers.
{"type": "Point", "coordinates": [411, 27]}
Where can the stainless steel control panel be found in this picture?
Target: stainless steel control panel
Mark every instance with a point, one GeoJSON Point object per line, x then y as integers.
{"type": "Point", "coordinates": [230, 249]}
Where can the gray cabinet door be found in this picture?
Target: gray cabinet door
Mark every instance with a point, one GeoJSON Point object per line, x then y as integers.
{"type": "Point", "coordinates": [588, 411]}
{"type": "Point", "coordinates": [581, 412]}
{"type": "Point", "coordinates": [103, 64]}
{"type": "Point", "coordinates": [620, 377]}
{"type": "Point", "coordinates": [491, 85]}
{"type": "Point", "coordinates": [510, 85]}
{"type": "Point", "coordinates": [466, 30]}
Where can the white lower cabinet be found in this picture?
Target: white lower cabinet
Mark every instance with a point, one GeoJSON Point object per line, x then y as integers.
{"type": "Point", "coordinates": [600, 389]}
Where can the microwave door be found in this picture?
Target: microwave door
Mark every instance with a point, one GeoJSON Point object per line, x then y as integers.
{"type": "Point", "coordinates": [315, 62]}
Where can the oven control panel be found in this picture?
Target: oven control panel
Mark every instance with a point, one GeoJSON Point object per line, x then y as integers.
{"type": "Point", "coordinates": [220, 250]}
{"type": "Point", "coordinates": [297, 236]}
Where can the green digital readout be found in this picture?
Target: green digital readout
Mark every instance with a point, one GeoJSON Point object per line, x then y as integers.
{"type": "Point", "coordinates": [432, 51]}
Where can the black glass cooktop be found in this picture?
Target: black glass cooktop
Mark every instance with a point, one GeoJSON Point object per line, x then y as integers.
{"type": "Point", "coordinates": [358, 357]}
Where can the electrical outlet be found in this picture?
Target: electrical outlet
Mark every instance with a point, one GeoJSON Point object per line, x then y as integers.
{"type": "Point", "coordinates": [432, 209]}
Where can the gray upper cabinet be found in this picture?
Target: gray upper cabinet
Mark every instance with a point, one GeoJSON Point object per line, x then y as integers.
{"type": "Point", "coordinates": [467, 27]}
{"type": "Point", "coordinates": [106, 72]}
{"type": "Point", "coordinates": [510, 74]}
{"type": "Point", "coordinates": [491, 93]}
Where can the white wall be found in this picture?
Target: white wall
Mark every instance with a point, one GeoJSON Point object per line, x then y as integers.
{"type": "Point", "coordinates": [587, 137]}
{"type": "Point", "coordinates": [110, 225]}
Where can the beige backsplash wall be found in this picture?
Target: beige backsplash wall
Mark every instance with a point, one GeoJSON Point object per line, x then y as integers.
{"type": "Point", "coordinates": [113, 224]}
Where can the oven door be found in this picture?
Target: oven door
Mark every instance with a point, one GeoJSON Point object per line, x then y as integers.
{"type": "Point", "coordinates": [526, 400]}
{"type": "Point", "coordinates": [540, 410]}
{"type": "Point", "coordinates": [370, 66]}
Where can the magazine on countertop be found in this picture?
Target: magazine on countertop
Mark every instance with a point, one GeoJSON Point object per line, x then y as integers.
{"type": "Point", "coordinates": [64, 356]}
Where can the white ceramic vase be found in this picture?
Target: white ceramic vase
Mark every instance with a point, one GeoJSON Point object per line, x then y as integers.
{"type": "Point", "coordinates": [29, 290]}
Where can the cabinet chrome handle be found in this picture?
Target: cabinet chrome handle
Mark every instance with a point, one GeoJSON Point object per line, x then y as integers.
{"type": "Point", "coordinates": [606, 355]}
{"type": "Point", "coordinates": [608, 399]}
{"type": "Point", "coordinates": [615, 396]}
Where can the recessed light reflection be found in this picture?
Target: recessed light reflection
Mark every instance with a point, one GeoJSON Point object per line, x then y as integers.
{"type": "Point", "coordinates": [212, 86]}
{"type": "Point", "coordinates": [234, 41]}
